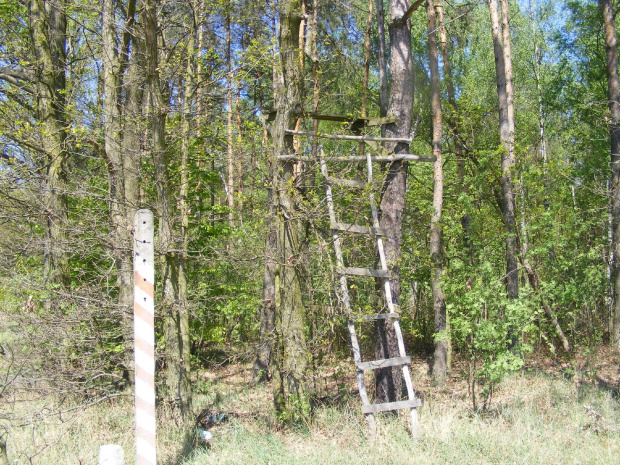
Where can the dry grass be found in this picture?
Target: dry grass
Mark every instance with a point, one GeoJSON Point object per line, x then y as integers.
{"type": "Point", "coordinates": [552, 414]}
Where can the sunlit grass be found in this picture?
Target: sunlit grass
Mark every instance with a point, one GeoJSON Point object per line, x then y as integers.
{"type": "Point", "coordinates": [534, 419]}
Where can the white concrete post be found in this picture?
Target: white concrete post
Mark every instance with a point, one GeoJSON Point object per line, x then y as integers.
{"type": "Point", "coordinates": [144, 334]}
{"type": "Point", "coordinates": [111, 454]}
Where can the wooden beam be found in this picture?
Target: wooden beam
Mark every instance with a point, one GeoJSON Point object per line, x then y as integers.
{"type": "Point", "coordinates": [354, 158]}
{"type": "Point", "coordinates": [346, 137]}
{"type": "Point", "coordinates": [354, 228]}
{"type": "Point", "coordinates": [356, 121]}
{"type": "Point", "coordinates": [403, 404]}
{"type": "Point", "coordinates": [384, 363]}
{"type": "Point", "coordinates": [354, 271]}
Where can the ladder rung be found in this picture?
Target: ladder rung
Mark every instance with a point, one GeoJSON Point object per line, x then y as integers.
{"type": "Point", "coordinates": [346, 182]}
{"type": "Point", "coordinates": [381, 316]}
{"type": "Point", "coordinates": [384, 363]}
{"type": "Point", "coordinates": [354, 158]}
{"type": "Point", "coordinates": [347, 137]}
{"type": "Point", "coordinates": [354, 228]}
{"type": "Point", "coordinates": [403, 404]}
{"type": "Point", "coordinates": [352, 271]}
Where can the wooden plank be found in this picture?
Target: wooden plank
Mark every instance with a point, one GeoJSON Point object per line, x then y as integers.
{"type": "Point", "coordinates": [381, 316]}
{"type": "Point", "coordinates": [352, 271]}
{"type": "Point", "coordinates": [354, 228]}
{"type": "Point", "coordinates": [357, 158]}
{"type": "Point", "coordinates": [290, 132]}
{"type": "Point", "coordinates": [355, 120]}
{"type": "Point", "coordinates": [384, 363]}
{"type": "Point", "coordinates": [389, 406]}
{"type": "Point", "coordinates": [381, 121]}
{"type": "Point", "coordinates": [345, 182]}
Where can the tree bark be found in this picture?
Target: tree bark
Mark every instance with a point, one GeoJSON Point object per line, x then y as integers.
{"type": "Point", "coordinates": [122, 202]}
{"type": "Point", "coordinates": [383, 82]}
{"type": "Point", "coordinates": [503, 69]}
{"type": "Point", "coordinates": [454, 127]}
{"type": "Point", "coordinates": [613, 101]}
{"type": "Point", "coordinates": [440, 358]}
{"type": "Point", "coordinates": [48, 30]}
{"type": "Point", "coordinates": [264, 352]}
{"type": "Point", "coordinates": [176, 326]}
{"type": "Point", "coordinates": [389, 380]}
{"type": "Point", "coordinates": [289, 360]}
{"type": "Point", "coordinates": [230, 160]}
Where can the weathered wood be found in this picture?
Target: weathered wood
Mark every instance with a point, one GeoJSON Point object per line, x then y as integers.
{"type": "Point", "coordinates": [353, 271]}
{"type": "Point", "coordinates": [380, 316]}
{"type": "Point", "coordinates": [345, 182]}
{"type": "Point", "coordinates": [347, 137]}
{"type": "Point", "coordinates": [344, 290]}
{"type": "Point", "coordinates": [384, 363]}
{"type": "Point", "coordinates": [389, 406]}
{"type": "Point", "coordinates": [354, 228]}
{"type": "Point", "coordinates": [354, 158]}
{"type": "Point", "coordinates": [356, 121]}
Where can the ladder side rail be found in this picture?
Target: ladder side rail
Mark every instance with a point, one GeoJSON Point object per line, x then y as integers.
{"type": "Point", "coordinates": [344, 289]}
{"type": "Point", "coordinates": [375, 222]}
{"type": "Point", "coordinates": [390, 303]}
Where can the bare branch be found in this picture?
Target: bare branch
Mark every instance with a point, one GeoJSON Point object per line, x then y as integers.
{"type": "Point", "coordinates": [17, 78]}
{"type": "Point", "coordinates": [409, 12]}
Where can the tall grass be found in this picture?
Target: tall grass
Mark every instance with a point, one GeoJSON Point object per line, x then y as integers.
{"type": "Point", "coordinates": [535, 419]}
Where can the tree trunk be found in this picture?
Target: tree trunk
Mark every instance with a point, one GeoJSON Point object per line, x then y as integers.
{"type": "Point", "coordinates": [230, 160]}
{"type": "Point", "coordinates": [178, 395]}
{"type": "Point", "coordinates": [366, 62]}
{"type": "Point", "coordinates": [454, 128]}
{"type": "Point", "coordinates": [48, 29]}
{"type": "Point", "coordinates": [122, 201]}
{"type": "Point", "coordinates": [503, 68]}
{"type": "Point", "coordinates": [389, 380]}
{"type": "Point", "coordinates": [613, 98]}
{"type": "Point", "coordinates": [440, 358]}
{"type": "Point", "coordinates": [265, 346]}
{"type": "Point", "coordinates": [383, 83]}
{"type": "Point", "coordinates": [290, 355]}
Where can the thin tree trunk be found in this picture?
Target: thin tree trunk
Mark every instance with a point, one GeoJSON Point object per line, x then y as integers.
{"type": "Point", "coordinates": [503, 68]}
{"type": "Point", "coordinates": [366, 59]}
{"type": "Point", "coordinates": [239, 158]}
{"type": "Point", "coordinates": [454, 128]}
{"type": "Point", "coordinates": [48, 29]}
{"type": "Point", "coordinates": [289, 360]}
{"type": "Point", "coordinates": [389, 380]}
{"type": "Point", "coordinates": [230, 180]}
{"type": "Point", "coordinates": [121, 208]}
{"type": "Point", "coordinates": [613, 99]}
{"type": "Point", "coordinates": [383, 83]}
{"type": "Point", "coordinates": [178, 395]}
{"type": "Point", "coordinates": [182, 303]}
{"type": "Point", "coordinates": [440, 358]}
{"type": "Point", "coordinates": [266, 342]}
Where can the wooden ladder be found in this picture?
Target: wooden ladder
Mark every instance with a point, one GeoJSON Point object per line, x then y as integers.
{"type": "Point", "coordinates": [384, 275]}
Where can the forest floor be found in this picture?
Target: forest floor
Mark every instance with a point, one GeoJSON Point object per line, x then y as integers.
{"type": "Point", "coordinates": [552, 412]}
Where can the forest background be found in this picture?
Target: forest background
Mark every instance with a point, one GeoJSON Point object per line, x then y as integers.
{"type": "Point", "coordinates": [113, 106]}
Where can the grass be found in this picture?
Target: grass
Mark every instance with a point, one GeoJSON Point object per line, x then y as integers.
{"type": "Point", "coordinates": [535, 418]}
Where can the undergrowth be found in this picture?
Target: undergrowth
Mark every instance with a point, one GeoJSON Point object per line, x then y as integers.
{"type": "Point", "coordinates": [535, 419]}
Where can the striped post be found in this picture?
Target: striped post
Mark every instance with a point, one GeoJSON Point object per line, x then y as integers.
{"type": "Point", "coordinates": [144, 337]}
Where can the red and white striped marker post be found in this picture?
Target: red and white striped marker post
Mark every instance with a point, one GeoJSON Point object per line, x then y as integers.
{"type": "Point", "coordinates": [144, 337]}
